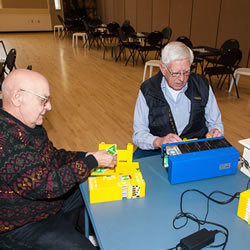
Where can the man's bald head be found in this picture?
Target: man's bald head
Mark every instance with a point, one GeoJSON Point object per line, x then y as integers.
{"type": "Point", "coordinates": [22, 78]}
{"type": "Point", "coordinates": [22, 89]}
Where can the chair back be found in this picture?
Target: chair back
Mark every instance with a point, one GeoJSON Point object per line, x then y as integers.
{"type": "Point", "coordinates": [96, 21]}
{"type": "Point", "coordinates": [10, 60]}
{"type": "Point", "coordinates": [230, 57]}
{"type": "Point", "coordinates": [113, 28]}
{"type": "Point", "coordinates": [8, 65]}
{"type": "Point", "coordinates": [154, 38]}
{"type": "Point", "coordinates": [122, 35]}
{"type": "Point", "coordinates": [167, 33]}
{"type": "Point", "coordinates": [185, 40]}
{"type": "Point", "coordinates": [230, 44]}
{"type": "Point", "coordinates": [126, 23]}
{"type": "Point", "coordinates": [85, 25]}
{"type": "Point", "coordinates": [128, 29]}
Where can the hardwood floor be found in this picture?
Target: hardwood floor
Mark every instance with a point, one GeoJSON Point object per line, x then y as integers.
{"type": "Point", "coordinates": [93, 99]}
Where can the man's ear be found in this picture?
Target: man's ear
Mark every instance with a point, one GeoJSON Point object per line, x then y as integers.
{"type": "Point", "coordinates": [16, 98]}
{"type": "Point", "coordinates": [162, 68]}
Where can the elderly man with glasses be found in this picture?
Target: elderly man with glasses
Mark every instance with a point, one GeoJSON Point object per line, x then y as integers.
{"type": "Point", "coordinates": [174, 104]}
{"type": "Point", "coordinates": [40, 197]}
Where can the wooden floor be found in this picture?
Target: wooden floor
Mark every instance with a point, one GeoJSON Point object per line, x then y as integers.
{"type": "Point", "coordinates": [93, 99]}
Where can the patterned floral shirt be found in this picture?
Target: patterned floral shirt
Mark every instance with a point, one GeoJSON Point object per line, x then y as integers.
{"type": "Point", "coordinates": [34, 174]}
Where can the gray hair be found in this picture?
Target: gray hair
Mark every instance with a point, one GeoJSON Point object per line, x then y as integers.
{"type": "Point", "coordinates": [175, 51]}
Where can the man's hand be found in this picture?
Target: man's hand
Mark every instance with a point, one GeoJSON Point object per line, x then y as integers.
{"type": "Point", "coordinates": [104, 159]}
{"type": "Point", "coordinates": [214, 133]}
{"type": "Point", "coordinates": [166, 139]}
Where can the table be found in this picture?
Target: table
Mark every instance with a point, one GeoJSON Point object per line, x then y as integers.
{"type": "Point", "coordinates": [146, 223]}
{"type": "Point", "coordinates": [203, 52]}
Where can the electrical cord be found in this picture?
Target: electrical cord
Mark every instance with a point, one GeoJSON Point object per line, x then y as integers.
{"type": "Point", "coordinates": [189, 216]}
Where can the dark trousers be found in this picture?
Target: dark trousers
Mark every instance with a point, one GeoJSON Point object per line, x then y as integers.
{"type": "Point", "coordinates": [60, 231]}
{"type": "Point", "coordinates": [139, 153]}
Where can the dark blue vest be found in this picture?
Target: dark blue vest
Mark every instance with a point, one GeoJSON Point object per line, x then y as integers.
{"type": "Point", "coordinates": [161, 121]}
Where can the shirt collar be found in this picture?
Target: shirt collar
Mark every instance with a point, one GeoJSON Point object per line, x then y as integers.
{"type": "Point", "coordinates": [165, 88]}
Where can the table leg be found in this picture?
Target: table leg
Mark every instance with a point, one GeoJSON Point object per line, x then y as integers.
{"type": "Point", "coordinates": [86, 219]}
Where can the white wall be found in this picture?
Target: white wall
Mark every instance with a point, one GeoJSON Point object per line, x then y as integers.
{"type": "Point", "coordinates": [25, 20]}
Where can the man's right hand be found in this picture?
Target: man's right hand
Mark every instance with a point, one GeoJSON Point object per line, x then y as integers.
{"type": "Point", "coordinates": [170, 138]}
{"type": "Point", "coordinates": [104, 159]}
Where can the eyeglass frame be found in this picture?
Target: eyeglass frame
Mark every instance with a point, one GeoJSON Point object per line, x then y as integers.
{"type": "Point", "coordinates": [178, 74]}
{"type": "Point", "coordinates": [45, 99]}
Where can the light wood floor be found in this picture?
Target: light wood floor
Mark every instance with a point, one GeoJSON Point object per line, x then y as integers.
{"type": "Point", "coordinates": [93, 99]}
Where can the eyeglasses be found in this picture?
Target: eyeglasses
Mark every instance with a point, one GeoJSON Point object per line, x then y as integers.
{"type": "Point", "coordinates": [45, 99]}
{"type": "Point", "coordinates": [178, 74]}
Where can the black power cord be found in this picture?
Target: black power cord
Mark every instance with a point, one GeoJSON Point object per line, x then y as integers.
{"type": "Point", "coordinates": [202, 237]}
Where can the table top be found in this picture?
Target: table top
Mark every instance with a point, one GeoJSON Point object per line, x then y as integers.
{"type": "Point", "coordinates": [205, 51]}
{"type": "Point", "coordinates": [146, 223]}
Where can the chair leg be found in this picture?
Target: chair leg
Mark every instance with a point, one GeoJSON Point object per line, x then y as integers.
{"type": "Point", "coordinates": [150, 70]}
{"type": "Point", "coordinates": [104, 48]}
{"type": "Point", "coordinates": [237, 77]}
{"type": "Point", "coordinates": [210, 81]}
{"type": "Point", "coordinates": [220, 84]}
{"type": "Point", "coordinates": [236, 87]}
{"type": "Point", "coordinates": [145, 71]}
{"type": "Point", "coordinates": [120, 52]}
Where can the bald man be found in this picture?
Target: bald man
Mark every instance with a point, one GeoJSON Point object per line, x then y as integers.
{"type": "Point", "coordinates": [40, 198]}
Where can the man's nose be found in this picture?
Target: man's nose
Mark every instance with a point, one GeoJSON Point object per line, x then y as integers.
{"type": "Point", "coordinates": [48, 106]}
{"type": "Point", "coordinates": [182, 76]}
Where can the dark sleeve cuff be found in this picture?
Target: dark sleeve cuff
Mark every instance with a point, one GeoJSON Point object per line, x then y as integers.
{"type": "Point", "coordinates": [91, 162]}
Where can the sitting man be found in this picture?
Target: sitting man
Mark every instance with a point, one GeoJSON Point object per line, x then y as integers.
{"type": "Point", "coordinates": [40, 197]}
{"type": "Point", "coordinates": [174, 104]}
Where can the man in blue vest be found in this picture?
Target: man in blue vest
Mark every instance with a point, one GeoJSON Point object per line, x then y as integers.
{"type": "Point", "coordinates": [174, 104]}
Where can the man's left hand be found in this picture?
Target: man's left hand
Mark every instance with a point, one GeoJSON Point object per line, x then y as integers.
{"type": "Point", "coordinates": [214, 133]}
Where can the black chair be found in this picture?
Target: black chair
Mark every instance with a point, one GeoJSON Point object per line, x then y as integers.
{"type": "Point", "coordinates": [127, 28]}
{"type": "Point", "coordinates": [67, 28]}
{"type": "Point", "coordinates": [151, 43]}
{"type": "Point", "coordinates": [197, 61]}
{"type": "Point", "coordinates": [185, 40]}
{"type": "Point", "coordinates": [225, 67]}
{"type": "Point", "coordinates": [112, 31]}
{"type": "Point", "coordinates": [126, 22]}
{"type": "Point", "coordinates": [94, 36]}
{"type": "Point", "coordinates": [96, 21]}
{"type": "Point", "coordinates": [8, 65]}
{"type": "Point", "coordinates": [125, 43]}
{"type": "Point", "coordinates": [110, 38]}
{"type": "Point", "coordinates": [228, 44]}
{"type": "Point", "coordinates": [166, 33]}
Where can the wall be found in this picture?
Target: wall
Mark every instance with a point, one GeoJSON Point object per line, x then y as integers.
{"type": "Point", "coordinates": [24, 20]}
{"type": "Point", "coordinates": [204, 22]}
{"type": "Point", "coordinates": [25, 15]}
{"type": "Point", "coordinates": [25, 4]}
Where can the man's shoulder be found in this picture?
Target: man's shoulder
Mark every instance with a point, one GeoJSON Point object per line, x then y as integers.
{"type": "Point", "coordinates": [153, 82]}
{"type": "Point", "coordinates": [198, 79]}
